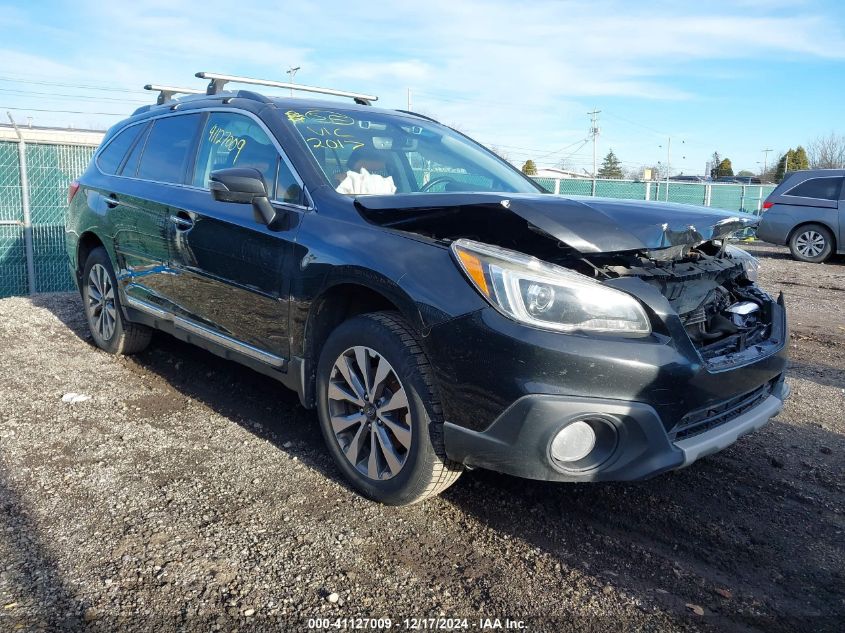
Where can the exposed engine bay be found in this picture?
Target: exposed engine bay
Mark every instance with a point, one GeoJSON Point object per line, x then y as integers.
{"type": "Point", "coordinates": [708, 283]}
{"type": "Point", "coordinates": [711, 287]}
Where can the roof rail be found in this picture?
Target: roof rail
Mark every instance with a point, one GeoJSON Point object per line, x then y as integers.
{"type": "Point", "coordinates": [165, 93]}
{"type": "Point", "coordinates": [217, 81]}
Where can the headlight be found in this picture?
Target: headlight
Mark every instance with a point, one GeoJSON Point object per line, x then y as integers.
{"type": "Point", "coordinates": [750, 264]}
{"type": "Point", "coordinates": [547, 296]}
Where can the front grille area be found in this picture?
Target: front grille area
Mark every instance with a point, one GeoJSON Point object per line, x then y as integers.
{"type": "Point", "coordinates": [698, 422]}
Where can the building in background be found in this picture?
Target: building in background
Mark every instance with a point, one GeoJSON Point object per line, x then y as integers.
{"type": "Point", "coordinates": [51, 135]}
{"type": "Point", "coordinates": [554, 172]}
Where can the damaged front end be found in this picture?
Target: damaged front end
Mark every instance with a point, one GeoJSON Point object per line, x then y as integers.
{"type": "Point", "coordinates": [680, 250]}
{"type": "Point", "coordinates": [711, 288]}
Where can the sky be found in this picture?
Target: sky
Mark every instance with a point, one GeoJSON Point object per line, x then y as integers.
{"type": "Point", "coordinates": [732, 77]}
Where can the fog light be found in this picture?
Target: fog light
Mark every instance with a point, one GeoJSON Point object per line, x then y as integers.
{"type": "Point", "coordinates": [574, 442]}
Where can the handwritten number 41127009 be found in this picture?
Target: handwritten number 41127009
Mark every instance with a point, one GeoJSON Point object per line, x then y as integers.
{"type": "Point", "coordinates": [219, 136]}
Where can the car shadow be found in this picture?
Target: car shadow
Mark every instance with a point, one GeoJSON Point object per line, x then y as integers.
{"type": "Point", "coordinates": [40, 598]}
{"type": "Point", "coordinates": [761, 520]}
{"type": "Point", "coordinates": [750, 520]}
{"type": "Point", "coordinates": [819, 373]}
{"type": "Point", "coordinates": [256, 402]}
{"type": "Point", "coordinates": [725, 522]}
{"type": "Point", "coordinates": [67, 308]}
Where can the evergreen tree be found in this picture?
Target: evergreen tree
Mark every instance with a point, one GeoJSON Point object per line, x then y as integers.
{"type": "Point", "coordinates": [781, 169]}
{"type": "Point", "coordinates": [611, 167]}
{"type": "Point", "coordinates": [799, 159]}
{"type": "Point", "coordinates": [529, 168]}
{"type": "Point", "coordinates": [793, 160]}
{"type": "Point", "coordinates": [715, 160]}
{"type": "Point", "coordinates": [724, 168]}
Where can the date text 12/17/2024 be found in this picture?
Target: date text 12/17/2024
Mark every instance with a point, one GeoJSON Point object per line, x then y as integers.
{"type": "Point", "coordinates": [418, 624]}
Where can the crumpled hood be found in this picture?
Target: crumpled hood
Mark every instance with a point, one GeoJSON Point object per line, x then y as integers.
{"type": "Point", "coordinates": [589, 225]}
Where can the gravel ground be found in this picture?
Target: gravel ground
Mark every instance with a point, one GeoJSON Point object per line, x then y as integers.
{"type": "Point", "coordinates": [188, 493]}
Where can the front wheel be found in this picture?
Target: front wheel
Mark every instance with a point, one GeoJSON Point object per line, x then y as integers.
{"type": "Point", "coordinates": [811, 243]}
{"type": "Point", "coordinates": [101, 302]}
{"type": "Point", "coordinates": [378, 412]}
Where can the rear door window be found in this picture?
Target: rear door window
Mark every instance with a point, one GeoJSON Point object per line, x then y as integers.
{"type": "Point", "coordinates": [110, 158]}
{"type": "Point", "coordinates": [168, 148]}
{"type": "Point", "coordinates": [818, 188]}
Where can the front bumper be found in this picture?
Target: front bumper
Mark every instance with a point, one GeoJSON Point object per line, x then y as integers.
{"type": "Point", "coordinates": [507, 390]}
{"type": "Point", "coordinates": [518, 442]}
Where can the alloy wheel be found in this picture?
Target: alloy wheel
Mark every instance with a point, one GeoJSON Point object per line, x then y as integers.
{"type": "Point", "coordinates": [101, 306]}
{"type": "Point", "coordinates": [810, 244]}
{"type": "Point", "coordinates": [369, 412]}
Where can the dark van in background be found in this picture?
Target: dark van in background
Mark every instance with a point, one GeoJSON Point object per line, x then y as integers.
{"type": "Point", "coordinates": [805, 212]}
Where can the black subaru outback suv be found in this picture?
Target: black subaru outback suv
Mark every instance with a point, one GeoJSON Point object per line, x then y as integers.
{"type": "Point", "coordinates": [437, 307]}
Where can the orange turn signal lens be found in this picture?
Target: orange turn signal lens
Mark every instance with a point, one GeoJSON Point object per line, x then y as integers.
{"type": "Point", "coordinates": [474, 268]}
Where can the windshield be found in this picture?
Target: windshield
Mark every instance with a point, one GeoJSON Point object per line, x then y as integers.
{"type": "Point", "coordinates": [363, 152]}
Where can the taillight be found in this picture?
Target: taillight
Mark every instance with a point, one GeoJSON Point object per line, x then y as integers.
{"type": "Point", "coordinates": [768, 205]}
{"type": "Point", "coordinates": [71, 191]}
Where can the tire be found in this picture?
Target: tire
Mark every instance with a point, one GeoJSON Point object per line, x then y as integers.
{"type": "Point", "coordinates": [109, 329]}
{"type": "Point", "coordinates": [811, 243]}
{"type": "Point", "coordinates": [402, 420]}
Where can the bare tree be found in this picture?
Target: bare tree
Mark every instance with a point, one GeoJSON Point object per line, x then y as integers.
{"type": "Point", "coordinates": [827, 152]}
{"type": "Point", "coordinates": [500, 153]}
{"type": "Point", "coordinates": [658, 171]}
{"type": "Point", "coordinates": [634, 173]}
{"type": "Point", "coordinates": [565, 164]}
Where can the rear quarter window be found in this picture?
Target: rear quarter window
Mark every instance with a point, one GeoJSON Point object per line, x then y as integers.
{"type": "Point", "coordinates": [112, 155]}
{"type": "Point", "coordinates": [818, 188]}
{"type": "Point", "coordinates": [130, 165]}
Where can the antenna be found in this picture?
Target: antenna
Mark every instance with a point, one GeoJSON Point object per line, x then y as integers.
{"type": "Point", "coordinates": [218, 81]}
{"type": "Point", "coordinates": [166, 93]}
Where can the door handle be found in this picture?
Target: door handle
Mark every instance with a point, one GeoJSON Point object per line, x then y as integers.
{"type": "Point", "coordinates": [182, 220]}
{"type": "Point", "coordinates": [112, 201]}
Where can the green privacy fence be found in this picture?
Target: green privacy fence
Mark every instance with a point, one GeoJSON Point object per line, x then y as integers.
{"type": "Point", "coordinates": [32, 250]}
{"type": "Point", "coordinates": [12, 252]}
{"type": "Point", "coordinates": [730, 197]}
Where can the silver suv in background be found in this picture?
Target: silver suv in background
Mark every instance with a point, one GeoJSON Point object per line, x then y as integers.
{"type": "Point", "coordinates": [805, 212]}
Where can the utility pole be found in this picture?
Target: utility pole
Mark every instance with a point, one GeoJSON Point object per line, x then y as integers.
{"type": "Point", "coordinates": [594, 133]}
{"type": "Point", "coordinates": [292, 72]}
{"type": "Point", "coordinates": [765, 160]}
{"type": "Point", "coordinates": [409, 100]}
{"type": "Point", "coordinates": [669, 163]}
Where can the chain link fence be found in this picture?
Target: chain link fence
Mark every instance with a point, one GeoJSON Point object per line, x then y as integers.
{"type": "Point", "coordinates": [730, 197]}
{"type": "Point", "coordinates": [51, 168]}
{"type": "Point", "coordinates": [32, 216]}
{"type": "Point", "coordinates": [12, 251]}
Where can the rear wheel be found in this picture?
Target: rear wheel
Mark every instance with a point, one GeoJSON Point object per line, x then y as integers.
{"type": "Point", "coordinates": [101, 302]}
{"type": "Point", "coordinates": [811, 243]}
{"type": "Point", "coordinates": [378, 412]}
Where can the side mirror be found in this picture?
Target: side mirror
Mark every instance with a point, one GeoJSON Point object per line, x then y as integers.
{"type": "Point", "coordinates": [245, 185]}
